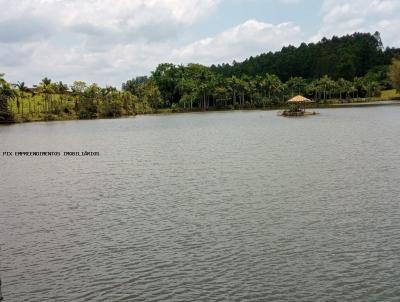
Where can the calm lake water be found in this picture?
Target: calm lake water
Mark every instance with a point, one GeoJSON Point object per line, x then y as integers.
{"type": "Point", "coordinates": [230, 206]}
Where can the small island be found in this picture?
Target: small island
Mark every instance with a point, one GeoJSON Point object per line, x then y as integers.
{"type": "Point", "coordinates": [297, 107]}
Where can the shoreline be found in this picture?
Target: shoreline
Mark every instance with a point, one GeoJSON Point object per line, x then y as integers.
{"type": "Point", "coordinates": [333, 105]}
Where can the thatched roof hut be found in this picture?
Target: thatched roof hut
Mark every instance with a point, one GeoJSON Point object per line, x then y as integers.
{"type": "Point", "coordinates": [299, 100]}
{"type": "Point", "coordinates": [298, 110]}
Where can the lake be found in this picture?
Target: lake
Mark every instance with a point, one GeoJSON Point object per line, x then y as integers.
{"type": "Point", "coordinates": [223, 206]}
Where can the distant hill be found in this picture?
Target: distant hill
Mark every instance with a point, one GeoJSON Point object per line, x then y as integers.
{"type": "Point", "coordinates": [339, 57]}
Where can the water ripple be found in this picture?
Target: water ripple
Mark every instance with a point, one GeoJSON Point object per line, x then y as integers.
{"type": "Point", "coordinates": [239, 206]}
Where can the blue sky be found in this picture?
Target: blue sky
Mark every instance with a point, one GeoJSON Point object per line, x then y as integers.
{"type": "Point", "coordinates": [110, 41]}
{"type": "Point", "coordinates": [231, 13]}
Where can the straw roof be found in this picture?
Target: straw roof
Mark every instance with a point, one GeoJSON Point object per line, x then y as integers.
{"type": "Point", "coordinates": [299, 100]}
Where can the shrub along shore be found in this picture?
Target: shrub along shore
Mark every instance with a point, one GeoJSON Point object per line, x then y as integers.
{"type": "Point", "coordinates": [29, 109]}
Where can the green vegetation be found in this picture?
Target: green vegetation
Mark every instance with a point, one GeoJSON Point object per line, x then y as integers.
{"type": "Point", "coordinates": [56, 101]}
{"type": "Point", "coordinates": [345, 57]}
{"type": "Point", "coordinates": [394, 74]}
{"type": "Point", "coordinates": [390, 94]}
{"type": "Point", "coordinates": [6, 93]}
{"type": "Point", "coordinates": [353, 68]}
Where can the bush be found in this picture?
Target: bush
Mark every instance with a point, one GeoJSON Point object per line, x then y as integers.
{"type": "Point", "coordinates": [111, 108]}
{"type": "Point", "coordinates": [87, 109]}
{"type": "Point", "coordinates": [50, 117]}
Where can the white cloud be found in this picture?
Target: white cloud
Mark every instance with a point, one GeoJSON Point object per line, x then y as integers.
{"type": "Point", "coordinates": [122, 17]}
{"type": "Point", "coordinates": [109, 41]}
{"type": "Point", "coordinates": [96, 40]}
{"type": "Point", "coordinates": [110, 12]}
{"type": "Point", "coordinates": [345, 17]}
{"type": "Point", "coordinates": [237, 43]}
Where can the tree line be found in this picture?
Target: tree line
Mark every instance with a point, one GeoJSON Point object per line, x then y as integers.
{"type": "Point", "coordinates": [340, 69]}
{"type": "Point", "coordinates": [344, 57]}
{"type": "Point", "coordinates": [55, 100]}
{"type": "Point", "coordinates": [196, 86]}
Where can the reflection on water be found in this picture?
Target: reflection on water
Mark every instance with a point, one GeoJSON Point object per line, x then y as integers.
{"type": "Point", "coordinates": [232, 206]}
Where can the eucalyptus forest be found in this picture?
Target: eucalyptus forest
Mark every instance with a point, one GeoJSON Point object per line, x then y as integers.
{"type": "Point", "coordinates": [351, 68]}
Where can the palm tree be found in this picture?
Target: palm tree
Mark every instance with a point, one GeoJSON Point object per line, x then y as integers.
{"type": "Point", "coordinates": [188, 89]}
{"type": "Point", "coordinates": [373, 88]}
{"type": "Point", "coordinates": [234, 86]}
{"type": "Point", "coordinates": [296, 85]}
{"type": "Point", "coordinates": [61, 89]}
{"type": "Point", "coordinates": [244, 88]}
{"type": "Point", "coordinates": [254, 91]}
{"type": "Point", "coordinates": [341, 87]}
{"type": "Point", "coordinates": [359, 85]}
{"type": "Point", "coordinates": [314, 89]}
{"type": "Point", "coordinates": [348, 88]}
{"type": "Point", "coordinates": [47, 89]}
{"type": "Point", "coordinates": [326, 85]}
{"type": "Point", "coordinates": [23, 89]}
{"type": "Point", "coordinates": [272, 84]}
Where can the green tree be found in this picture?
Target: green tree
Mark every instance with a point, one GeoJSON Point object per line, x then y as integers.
{"type": "Point", "coordinates": [394, 74]}
{"type": "Point", "coordinates": [111, 104]}
{"type": "Point", "coordinates": [296, 85]}
{"type": "Point", "coordinates": [233, 86]}
{"type": "Point", "coordinates": [128, 101]}
{"type": "Point", "coordinates": [152, 95]}
{"type": "Point", "coordinates": [326, 86]}
{"type": "Point", "coordinates": [166, 76]}
{"type": "Point", "coordinates": [359, 87]}
{"type": "Point", "coordinates": [221, 96]}
{"type": "Point", "coordinates": [6, 93]}
{"type": "Point", "coordinates": [202, 79]}
{"type": "Point", "coordinates": [189, 91]}
{"type": "Point", "coordinates": [134, 86]}
{"type": "Point", "coordinates": [77, 88]}
{"type": "Point", "coordinates": [47, 89]}
{"type": "Point", "coordinates": [272, 84]}
{"type": "Point", "coordinates": [22, 94]}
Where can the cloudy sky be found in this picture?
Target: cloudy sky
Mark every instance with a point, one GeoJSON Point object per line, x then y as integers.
{"type": "Point", "coordinates": [110, 41]}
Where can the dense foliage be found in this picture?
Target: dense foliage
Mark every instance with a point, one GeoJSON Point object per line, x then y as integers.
{"type": "Point", "coordinates": [52, 101]}
{"type": "Point", "coordinates": [353, 66]}
{"type": "Point", "coordinates": [345, 57]}
{"type": "Point", "coordinates": [6, 93]}
{"type": "Point", "coordinates": [338, 69]}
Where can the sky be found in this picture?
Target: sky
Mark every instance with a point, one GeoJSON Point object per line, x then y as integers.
{"type": "Point", "coordinates": [111, 41]}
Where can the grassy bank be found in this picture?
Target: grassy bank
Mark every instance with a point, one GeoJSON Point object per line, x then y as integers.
{"type": "Point", "coordinates": [390, 95]}
{"type": "Point", "coordinates": [35, 108]}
